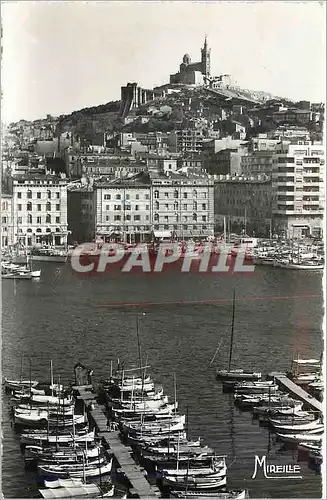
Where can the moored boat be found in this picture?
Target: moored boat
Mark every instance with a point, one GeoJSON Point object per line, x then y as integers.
{"type": "Point", "coordinates": [219, 495]}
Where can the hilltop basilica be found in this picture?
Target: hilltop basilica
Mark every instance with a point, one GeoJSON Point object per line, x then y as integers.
{"type": "Point", "coordinates": [197, 73]}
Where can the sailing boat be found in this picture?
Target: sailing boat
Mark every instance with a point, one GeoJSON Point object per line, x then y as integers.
{"type": "Point", "coordinates": [235, 375]}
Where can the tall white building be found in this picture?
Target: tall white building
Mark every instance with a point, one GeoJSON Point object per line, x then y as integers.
{"type": "Point", "coordinates": [40, 209]}
{"type": "Point", "coordinates": [297, 182]}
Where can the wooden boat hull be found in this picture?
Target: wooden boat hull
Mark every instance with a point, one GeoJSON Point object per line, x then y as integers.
{"type": "Point", "coordinates": [87, 472]}
{"type": "Point", "coordinates": [223, 495]}
{"type": "Point", "coordinates": [237, 375]}
{"type": "Point", "coordinates": [298, 438]}
{"type": "Point", "coordinates": [58, 259]}
{"type": "Point", "coordinates": [14, 385]}
{"type": "Point", "coordinates": [194, 484]}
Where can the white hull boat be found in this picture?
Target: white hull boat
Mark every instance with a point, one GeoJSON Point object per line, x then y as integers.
{"type": "Point", "coordinates": [309, 446]}
{"type": "Point", "coordinates": [194, 483]}
{"type": "Point", "coordinates": [298, 438]}
{"type": "Point", "coordinates": [86, 471]}
{"type": "Point", "coordinates": [298, 428]}
{"type": "Point", "coordinates": [219, 495]}
{"type": "Point", "coordinates": [15, 385]}
{"type": "Point", "coordinates": [51, 400]}
{"type": "Point", "coordinates": [36, 438]}
{"type": "Point", "coordinates": [213, 473]}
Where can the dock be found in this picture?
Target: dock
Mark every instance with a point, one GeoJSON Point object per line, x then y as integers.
{"type": "Point", "coordinates": [297, 391]}
{"type": "Point", "coordinates": [135, 474]}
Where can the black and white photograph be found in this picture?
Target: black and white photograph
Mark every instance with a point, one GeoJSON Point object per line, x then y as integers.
{"type": "Point", "coordinates": [163, 249]}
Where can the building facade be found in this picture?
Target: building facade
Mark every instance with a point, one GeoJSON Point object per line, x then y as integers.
{"type": "Point", "coordinates": [189, 140]}
{"type": "Point", "coordinates": [136, 209]}
{"type": "Point", "coordinates": [298, 174]}
{"type": "Point", "coordinates": [40, 209]}
{"type": "Point", "coordinates": [257, 163]}
{"type": "Point", "coordinates": [183, 205]}
{"type": "Point", "coordinates": [7, 227]}
{"type": "Point", "coordinates": [245, 204]}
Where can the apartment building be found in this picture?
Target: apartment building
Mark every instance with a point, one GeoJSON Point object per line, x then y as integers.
{"type": "Point", "coordinates": [257, 163]}
{"type": "Point", "coordinates": [40, 209]}
{"type": "Point", "coordinates": [137, 208]}
{"type": "Point", "coordinates": [245, 203]}
{"type": "Point", "coordinates": [189, 140]}
{"type": "Point", "coordinates": [7, 227]}
{"type": "Point", "coordinates": [298, 174]}
{"type": "Point", "coordinates": [182, 205]}
{"type": "Point", "coordinates": [122, 208]}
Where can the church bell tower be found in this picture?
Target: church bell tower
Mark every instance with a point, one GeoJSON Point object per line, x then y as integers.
{"type": "Point", "coordinates": [205, 58]}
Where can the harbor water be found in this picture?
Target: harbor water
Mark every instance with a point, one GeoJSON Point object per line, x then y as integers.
{"type": "Point", "coordinates": [182, 319]}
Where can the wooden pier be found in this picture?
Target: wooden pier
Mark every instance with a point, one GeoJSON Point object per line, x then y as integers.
{"type": "Point", "coordinates": [297, 391]}
{"type": "Point", "coordinates": [135, 474]}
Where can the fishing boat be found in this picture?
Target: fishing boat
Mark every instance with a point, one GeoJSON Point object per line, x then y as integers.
{"type": "Point", "coordinates": [49, 255]}
{"type": "Point", "coordinates": [310, 446]}
{"type": "Point", "coordinates": [230, 374]}
{"type": "Point", "coordinates": [300, 417]}
{"type": "Point", "coordinates": [181, 448]}
{"type": "Point", "coordinates": [300, 265]}
{"type": "Point", "coordinates": [219, 495]}
{"type": "Point", "coordinates": [45, 437]}
{"type": "Point", "coordinates": [14, 385]}
{"type": "Point", "coordinates": [64, 454]}
{"type": "Point", "coordinates": [76, 488]}
{"type": "Point", "coordinates": [299, 438]}
{"type": "Point", "coordinates": [217, 469]}
{"type": "Point", "coordinates": [65, 471]}
{"type": "Point", "coordinates": [193, 483]}
{"type": "Point", "coordinates": [295, 427]}
{"type": "Point", "coordinates": [267, 387]}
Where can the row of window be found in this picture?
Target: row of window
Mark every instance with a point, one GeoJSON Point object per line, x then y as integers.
{"type": "Point", "coordinates": [175, 194]}
{"type": "Point", "coordinates": [185, 206]}
{"type": "Point", "coordinates": [39, 230]}
{"type": "Point", "coordinates": [48, 207]}
{"type": "Point", "coordinates": [127, 207]}
{"type": "Point", "coordinates": [29, 194]}
{"type": "Point", "coordinates": [156, 217]}
{"type": "Point", "coordinates": [166, 206]}
{"type": "Point", "coordinates": [39, 219]}
{"type": "Point", "coordinates": [185, 194]}
{"type": "Point", "coordinates": [127, 196]}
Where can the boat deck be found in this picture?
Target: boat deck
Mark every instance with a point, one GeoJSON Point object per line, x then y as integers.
{"type": "Point", "coordinates": [123, 454]}
{"type": "Point", "coordinates": [309, 401]}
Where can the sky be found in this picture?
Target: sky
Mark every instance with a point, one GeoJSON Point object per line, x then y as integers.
{"type": "Point", "coordinates": [62, 56]}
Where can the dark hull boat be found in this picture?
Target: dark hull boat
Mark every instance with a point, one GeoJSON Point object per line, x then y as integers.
{"type": "Point", "coordinates": [235, 375]}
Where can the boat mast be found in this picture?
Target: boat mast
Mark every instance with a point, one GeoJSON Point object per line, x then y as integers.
{"type": "Point", "coordinates": [175, 392]}
{"type": "Point", "coordinates": [21, 368]}
{"type": "Point", "coordinates": [51, 377]}
{"type": "Point", "coordinates": [232, 334]}
{"type": "Point", "coordinates": [187, 471]}
{"type": "Point", "coordinates": [30, 384]}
